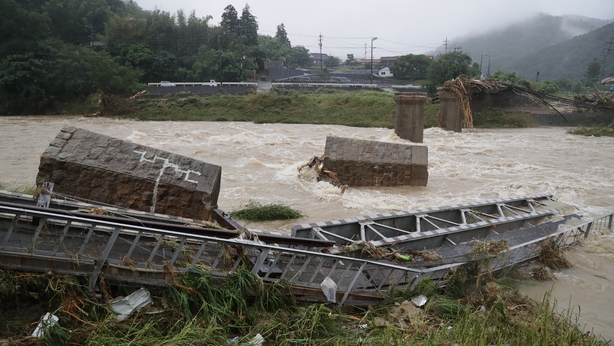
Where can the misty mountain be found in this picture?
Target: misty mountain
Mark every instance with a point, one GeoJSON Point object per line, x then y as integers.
{"type": "Point", "coordinates": [568, 59]}
{"type": "Point", "coordinates": [524, 47]}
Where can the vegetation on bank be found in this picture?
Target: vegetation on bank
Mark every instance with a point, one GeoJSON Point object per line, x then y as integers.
{"type": "Point", "coordinates": [607, 131]}
{"type": "Point", "coordinates": [25, 189]}
{"type": "Point", "coordinates": [322, 106]}
{"type": "Point", "coordinates": [199, 309]}
{"type": "Point", "coordinates": [255, 211]}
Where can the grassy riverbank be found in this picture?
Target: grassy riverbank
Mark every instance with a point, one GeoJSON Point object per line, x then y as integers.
{"type": "Point", "coordinates": [322, 106]}
{"type": "Point", "coordinates": [201, 310]}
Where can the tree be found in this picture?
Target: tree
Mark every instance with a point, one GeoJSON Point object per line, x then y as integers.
{"type": "Point", "coordinates": [300, 57]}
{"type": "Point", "coordinates": [564, 84]}
{"type": "Point", "coordinates": [332, 61]}
{"type": "Point", "coordinates": [282, 36]}
{"type": "Point", "coordinates": [504, 77]}
{"type": "Point", "coordinates": [350, 60]}
{"type": "Point", "coordinates": [549, 87]}
{"type": "Point", "coordinates": [593, 69]}
{"type": "Point", "coordinates": [249, 27]}
{"type": "Point", "coordinates": [411, 67]}
{"type": "Point", "coordinates": [230, 21]}
{"type": "Point", "coordinates": [449, 66]}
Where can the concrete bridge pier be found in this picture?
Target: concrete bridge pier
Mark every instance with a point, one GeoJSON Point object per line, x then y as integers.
{"type": "Point", "coordinates": [450, 114]}
{"type": "Point", "coordinates": [409, 121]}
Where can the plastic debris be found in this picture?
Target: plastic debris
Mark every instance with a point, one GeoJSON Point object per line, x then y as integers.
{"type": "Point", "coordinates": [125, 307]}
{"type": "Point", "coordinates": [329, 287]}
{"type": "Point", "coordinates": [404, 257]}
{"type": "Point", "coordinates": [257, 340]}
{"type": "Point", "coordinates": [48, 321]}
{"type": "Point", "coordinates": [420, 300]}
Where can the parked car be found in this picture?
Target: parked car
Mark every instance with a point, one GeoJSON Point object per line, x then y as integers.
{"type": "Point", "coordinates": [166, 83]}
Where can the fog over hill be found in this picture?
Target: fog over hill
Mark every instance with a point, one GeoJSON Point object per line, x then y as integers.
{"type": "Point", "coordinates": [524, 47]}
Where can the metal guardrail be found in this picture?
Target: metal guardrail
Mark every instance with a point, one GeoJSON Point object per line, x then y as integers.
{"type": "Point", "coordinates": [327, 85]}
{"type": "Point", "coordinates": [212, 84]}
{"type": "Point", "coordinates": [67, 244]}
{"type": "Point", "coordinates": [36, 240]}
{"type": "Point", "coordinates": [599, 224]}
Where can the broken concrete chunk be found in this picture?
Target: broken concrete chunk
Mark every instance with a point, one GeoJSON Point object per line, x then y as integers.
{"type": "Point", "coordinates": [99, 168]}
{"type": "Point", "coordinates": [358, 162]}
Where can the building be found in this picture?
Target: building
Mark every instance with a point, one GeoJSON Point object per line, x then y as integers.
{"type": "Point", "coordinates": [376, 62]}
{"type": "Point", "coordinates": [318, 58]}
{"type": "Point", "coordinates": [388, 60]}
{"type": "Point", "coordinates": [608, 81]}
{"type": "Point", "coordinates": [385, 72]}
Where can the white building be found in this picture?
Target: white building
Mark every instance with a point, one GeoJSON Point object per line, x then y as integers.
{"type": "Point", "coordinates": [385, 72]}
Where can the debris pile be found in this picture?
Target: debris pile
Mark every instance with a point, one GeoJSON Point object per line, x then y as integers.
{"type": "Point", "coordinates": [597, 99]}
{"type": "Point", "coordinates": [461, 88]}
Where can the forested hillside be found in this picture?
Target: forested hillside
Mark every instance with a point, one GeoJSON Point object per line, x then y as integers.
{"type": "Point", "coordinates": [568, 59]}
{"type": "Point", "coordinates": [526, 47]}
{"type": "Point", "coordinates": [56, 51]}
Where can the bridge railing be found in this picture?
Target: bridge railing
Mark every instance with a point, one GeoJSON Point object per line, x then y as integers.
{"type": "Point", "coordinates": [79, 245]}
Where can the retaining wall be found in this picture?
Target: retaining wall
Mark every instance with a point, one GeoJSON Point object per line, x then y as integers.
{"type": "Point", "coordinates": [200, 90]}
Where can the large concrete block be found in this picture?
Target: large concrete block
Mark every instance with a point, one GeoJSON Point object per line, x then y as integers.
{"type": "Point", "coordinates": [99, 168]}
{"type": "Point", "coordinates": [360, 162]}
{"type": "Point", "coordinates": [450, 113]}
{"type": "Point", "coordinates": [409, 118]}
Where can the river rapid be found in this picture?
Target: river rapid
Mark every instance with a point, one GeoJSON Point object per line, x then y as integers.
{"type": "Point", "coordinates": [259, 163]}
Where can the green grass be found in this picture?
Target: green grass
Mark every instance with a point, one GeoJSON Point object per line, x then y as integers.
{"type": "Point", "coordinates": [322, 106]}
{"type": "Point", "coordinates": [25, 189]}
{"type": "Point", "coordinates": [200, 309]}
{"type": "Point", "coordinates": [255, 211]}
{"type": "Point", "coordinates": [593, 131]}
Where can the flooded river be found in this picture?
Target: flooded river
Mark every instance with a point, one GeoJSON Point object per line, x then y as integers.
{"type": "Point", "coordinates": [259, 163]}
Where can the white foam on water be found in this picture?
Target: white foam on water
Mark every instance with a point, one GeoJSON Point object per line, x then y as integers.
{"type": "Point", "coordinates": [259, 163]}
{"type": "Point", "coordinates": [138, 137]}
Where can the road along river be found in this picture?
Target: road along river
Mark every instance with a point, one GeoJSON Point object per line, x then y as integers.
{"type": "Point", "coordinates": [259, 163]}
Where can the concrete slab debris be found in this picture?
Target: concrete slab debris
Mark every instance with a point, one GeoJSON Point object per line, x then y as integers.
{"type": "Point", "coordinates": [360, 162]}
{"type": "Point", "coordinates": [111, 171]}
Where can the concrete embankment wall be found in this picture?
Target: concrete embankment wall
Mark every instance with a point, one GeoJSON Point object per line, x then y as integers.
{"type": "Point", "coordinates": [99, 168]}
{"type": "Point", "coordinates": [360, 162]}
{"type": "Point", "coordinates": [200, 90]}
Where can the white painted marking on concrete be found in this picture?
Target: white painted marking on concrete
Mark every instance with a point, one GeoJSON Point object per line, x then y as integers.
{"type": "Point", "coordinates": [165, 164]}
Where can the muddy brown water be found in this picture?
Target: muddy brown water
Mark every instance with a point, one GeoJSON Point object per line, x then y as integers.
{"type": "Point", "coordinates": [259, 163]}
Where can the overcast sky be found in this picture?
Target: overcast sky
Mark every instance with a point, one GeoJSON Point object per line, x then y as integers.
{"type": "Point", "coordinates": [401, 26]}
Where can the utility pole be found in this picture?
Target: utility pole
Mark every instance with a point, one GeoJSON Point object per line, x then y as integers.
{"type": "Point", "coordinates": [365, 52]}
{"type": "Point", "coordinates": [446, 44]}
{"type": "Point", "coordinates": [460, 48]}
{"type": "Point", "coordinates": [481, 59]}
{"type": "Point", "coordinates": [371, 76]}
{"type": "Point", "coordinates": [320, 37]}
{"type": "Point", "coordinates": [488, 73]}
{"type": "Point", "coordinates": [605, 58]}
{"type": "Point", "coordinates": [219, 58]}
